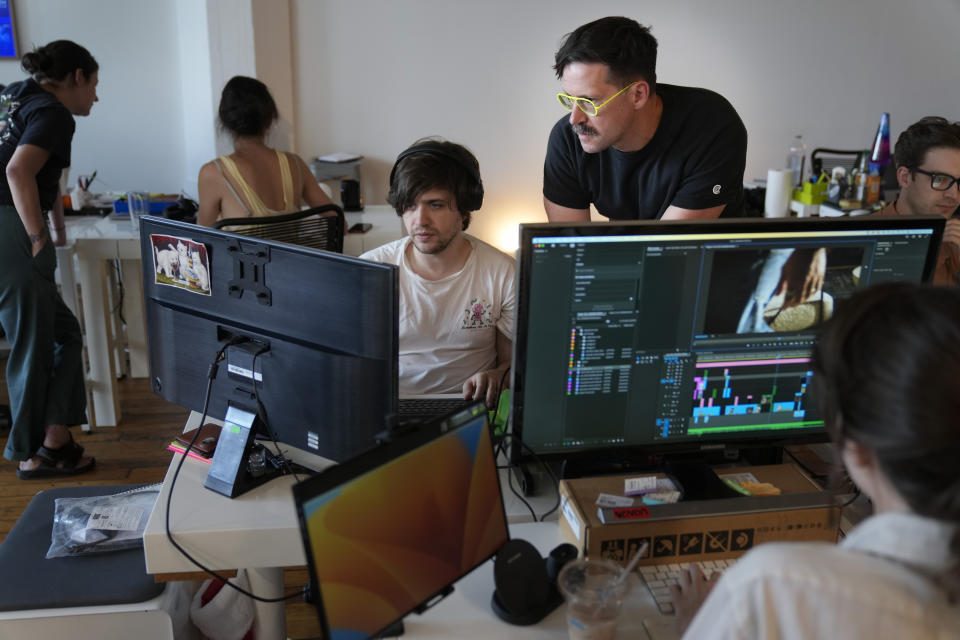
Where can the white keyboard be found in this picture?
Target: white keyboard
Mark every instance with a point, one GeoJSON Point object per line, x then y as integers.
{"type": "Point", "coordinates": [658, 579]}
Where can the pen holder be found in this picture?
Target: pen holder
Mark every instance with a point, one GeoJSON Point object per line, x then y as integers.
{"type": "Point", "coordinates": [811, 192]}
{"type": "Point", "coordinates": [79, 199]}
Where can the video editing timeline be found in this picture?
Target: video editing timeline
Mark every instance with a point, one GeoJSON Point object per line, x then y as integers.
{"type": "Point", "coordinates": [728, 390]}
{"type": "Point", "coordinates": [653, 325]}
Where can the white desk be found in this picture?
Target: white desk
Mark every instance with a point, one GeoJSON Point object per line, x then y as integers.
{"type": "Point", "coordinates": [387, 226]}
{"type": "Point", "coordinates": [259, 531]}
{"type": "Point", "coordinates": [94, 241]}
{"type": "Point", "coordinates": [466, 613]}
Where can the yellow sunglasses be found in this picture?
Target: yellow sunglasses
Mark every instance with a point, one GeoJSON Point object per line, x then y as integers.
{"type": "Point", "coordinates": [587, 105]}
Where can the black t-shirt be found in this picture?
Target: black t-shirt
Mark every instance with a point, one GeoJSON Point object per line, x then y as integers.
{"type": "Point", "coordinates": [30, 115]}
{"type": "Point", "coordinates": [695, 160]}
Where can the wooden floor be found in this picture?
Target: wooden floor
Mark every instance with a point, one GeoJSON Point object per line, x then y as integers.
{"type": "Point", "coordinates": [134, 452]}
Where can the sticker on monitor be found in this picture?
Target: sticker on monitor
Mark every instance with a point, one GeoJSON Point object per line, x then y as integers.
{"type": "Point", "coordinates": [181, 263]}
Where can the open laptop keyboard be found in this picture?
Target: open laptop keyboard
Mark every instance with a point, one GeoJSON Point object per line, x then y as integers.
{"type": "Point", "coordinates": [658, 579]}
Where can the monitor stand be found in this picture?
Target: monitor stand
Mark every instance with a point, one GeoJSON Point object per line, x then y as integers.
{"type": "Point", "coordinates": [698, 480]}
{"type": "Point", "coordinates": [239, 463]}
{"type": "Point", "coordinates": [609, 463]}
{"type": "Point", "coordinates": [693, 472]}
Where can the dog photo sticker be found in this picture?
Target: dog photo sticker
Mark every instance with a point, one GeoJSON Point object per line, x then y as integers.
{"type": "Point", "coordinates": [181, 262]}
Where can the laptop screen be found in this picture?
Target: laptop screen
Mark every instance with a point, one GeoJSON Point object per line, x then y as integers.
{"type": "Point", "coordinates": [387, 531]}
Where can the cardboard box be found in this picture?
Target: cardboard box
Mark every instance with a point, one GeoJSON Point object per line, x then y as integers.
{"type": "Point", "coordinates": [698, 530]}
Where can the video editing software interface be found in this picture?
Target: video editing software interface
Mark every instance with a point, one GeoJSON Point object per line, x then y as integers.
{"type": "Point", "coordinates": [635, 337]}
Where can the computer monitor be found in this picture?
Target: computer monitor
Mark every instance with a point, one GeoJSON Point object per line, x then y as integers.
{"type": "Point", "coordinates": [657, 338]}
{"type": "Point", "coordinates": [316, 330]}
{"type": "Point", "coordinates": [389, 532]}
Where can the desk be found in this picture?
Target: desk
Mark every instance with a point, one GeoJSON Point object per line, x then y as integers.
{"type": "Point", "coordinates": [387, 226]}
{"type": "Point", "coordinates": [466, 612]}
{"type": "Point", "coordinates": [259, 531]}
{"type": "Point", "coordinates": [94, 240]}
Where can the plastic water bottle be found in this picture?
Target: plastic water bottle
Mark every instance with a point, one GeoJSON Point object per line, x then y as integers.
{"type": "Point", "coordinates": [880, 152]}
{"type": "Point", "coordinates": [797, 160]}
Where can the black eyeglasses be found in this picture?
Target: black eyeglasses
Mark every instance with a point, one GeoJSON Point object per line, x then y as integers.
{"type": "Point", "coordinates": [939, 181]}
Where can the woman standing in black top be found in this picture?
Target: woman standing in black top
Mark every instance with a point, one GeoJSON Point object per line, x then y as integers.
{"type": "Point", "coordinates": [45, 368]}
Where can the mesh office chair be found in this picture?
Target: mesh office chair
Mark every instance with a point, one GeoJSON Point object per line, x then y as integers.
{"type": "Point", "coordinates": [320, 227]}
{"type": "Point", "coordinates": [827, 159]}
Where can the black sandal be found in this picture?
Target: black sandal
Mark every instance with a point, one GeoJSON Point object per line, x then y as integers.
{"type": "Point", "coordinates": [61, 461]}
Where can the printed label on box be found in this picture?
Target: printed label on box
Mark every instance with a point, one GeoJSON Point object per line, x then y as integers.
{"type": "Point", "coordinates": [610, 500]}
{"type": "Point", "coordinates": [570, 516]}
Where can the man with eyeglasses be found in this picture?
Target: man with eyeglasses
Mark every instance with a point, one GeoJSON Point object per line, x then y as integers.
{"type": "Point", "coordinates": [928, 172]}
{"type": "Point", "coordinates": [633, 148]}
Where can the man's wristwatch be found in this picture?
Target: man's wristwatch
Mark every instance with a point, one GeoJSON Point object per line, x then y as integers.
{"type": "Point", "coordinates": [37, 237]}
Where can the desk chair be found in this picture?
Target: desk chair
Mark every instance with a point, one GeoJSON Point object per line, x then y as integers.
{"type": "Point", "coordinates": [320, 227]}
{"type": "Point", "coordinates": [90, 597]}
{"type": "Point", "coordinates": [827, 159]}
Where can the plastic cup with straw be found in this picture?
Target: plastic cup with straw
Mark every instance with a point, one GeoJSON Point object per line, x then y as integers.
{"type": "Point", "coordinates": [594, 590]}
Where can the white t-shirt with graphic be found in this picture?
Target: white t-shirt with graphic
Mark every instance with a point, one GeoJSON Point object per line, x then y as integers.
{"type": "Point", "coordinates": [448, 327]}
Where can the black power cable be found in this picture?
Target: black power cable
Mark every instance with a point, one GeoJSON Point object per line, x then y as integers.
{"type": "Point", "coordinates": [553, 476]}
{"type": "Point", "coordinates": [211, 374]}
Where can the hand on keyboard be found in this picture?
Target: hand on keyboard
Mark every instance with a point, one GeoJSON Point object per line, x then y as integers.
{"type": "Point", "coordinates": [665, 581]}
{"type": "Point", "coordinates": [692, 588]}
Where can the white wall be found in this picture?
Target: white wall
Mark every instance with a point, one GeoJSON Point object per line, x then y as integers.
{"type": "Point", "coordinates": [374, 75]}
{"type": "Point", "coordinates": [371, 76]}
{"type": "Point", "coordinates": [134, 137]}
{"type": "Point", "coordinates": [199, 100]}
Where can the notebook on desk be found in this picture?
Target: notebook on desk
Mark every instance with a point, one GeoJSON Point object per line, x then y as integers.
{"type": "Point", "coordinates": [384, 538]}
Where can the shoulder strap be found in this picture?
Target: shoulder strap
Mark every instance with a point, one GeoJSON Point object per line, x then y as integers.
{"type": "Point", "coordinates": [256, 206]}
{"type": "Point", "coordinates": [290, 199]}
{"type": "Point", "coordinates": [227, 161]}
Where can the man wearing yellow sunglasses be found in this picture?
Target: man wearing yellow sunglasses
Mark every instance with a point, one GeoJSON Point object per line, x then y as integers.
{"type": "Point", "coordinates": [633, 148]}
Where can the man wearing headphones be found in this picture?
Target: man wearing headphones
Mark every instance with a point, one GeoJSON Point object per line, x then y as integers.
{"type": "Point", "coordinates": [456, 292]}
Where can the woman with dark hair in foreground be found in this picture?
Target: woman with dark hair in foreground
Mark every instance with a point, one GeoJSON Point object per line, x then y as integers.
{"type": "Point", "coordinates": [887, 381]}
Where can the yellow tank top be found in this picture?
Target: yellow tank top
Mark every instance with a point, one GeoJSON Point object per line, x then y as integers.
{"type": "Point", "coordinates": [257, 209]}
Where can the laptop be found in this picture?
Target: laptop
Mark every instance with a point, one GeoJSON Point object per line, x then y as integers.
{"type": "Point", "coordinates": [389, 532]}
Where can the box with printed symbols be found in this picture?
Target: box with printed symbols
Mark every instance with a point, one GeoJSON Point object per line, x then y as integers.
{"type": "Point", "coordinates": [698, 530]}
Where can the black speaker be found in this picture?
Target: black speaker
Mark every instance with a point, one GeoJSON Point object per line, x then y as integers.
{"type": "Point", "coordinates": [350, 195]}
{"type": "Point", "coordinates": [526, 583]}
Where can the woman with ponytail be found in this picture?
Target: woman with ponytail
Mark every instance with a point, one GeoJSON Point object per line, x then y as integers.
{"type": "Point", "coordinates": [44, 369]}
{"type": "Point", "coordinates": [887, 381]}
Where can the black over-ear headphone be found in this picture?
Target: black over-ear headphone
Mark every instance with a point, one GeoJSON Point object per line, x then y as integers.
{"type": "Point", "coordinates": [474, 193]}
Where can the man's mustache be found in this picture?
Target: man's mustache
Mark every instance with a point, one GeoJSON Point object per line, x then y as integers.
{"type": "Point", "coordinates": [583, 129]}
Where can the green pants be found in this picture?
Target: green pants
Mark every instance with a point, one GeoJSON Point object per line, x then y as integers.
{"type": "Point", "coordinates": [45, 368]}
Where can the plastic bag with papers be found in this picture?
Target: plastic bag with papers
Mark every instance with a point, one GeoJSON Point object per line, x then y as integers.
{"type": "Point", "coordinates": [99, 524]}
